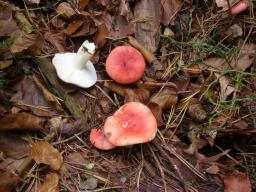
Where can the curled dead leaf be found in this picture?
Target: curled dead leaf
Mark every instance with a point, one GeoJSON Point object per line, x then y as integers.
{"type": "Point", "coordinates": [157, 112]}
{"type": "Point", "coordinates": [57, 39]}
{"type": "Point", "coordinates": [51, 183]}
{"type": "Point", "coordinates": [166, 98]}
{"type": "Point", "coordinates": [65, 10]}
{"type": "Point", "coordinates": [43, 152]}
{"type": "Point", "coordinates": [8, 181]}
{"type": "Point", "coordinates": [100, 38]}
{"type": "Point", "coordinates": [226, 88]}
{"type": "Point", "coordinates": [14, 146]}
{"type": "Point", "coordinates": [21, 121]}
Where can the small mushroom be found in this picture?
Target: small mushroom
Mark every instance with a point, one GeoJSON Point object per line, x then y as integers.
{"type": "Point", "coordinates": [132, 123]}
{"type": "Point", "coordinates": [76, 68]}
{"type": "Point", "coordinates": [125, 65]}
{"type": "Point", "coordinates": [99, 140]}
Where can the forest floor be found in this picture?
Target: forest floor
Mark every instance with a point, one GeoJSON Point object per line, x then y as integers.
{"type": "Point", "coordinates": [199, 82]}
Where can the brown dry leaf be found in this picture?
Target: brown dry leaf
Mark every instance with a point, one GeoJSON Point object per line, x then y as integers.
{"type": "Point", "coordinates": [235, 31]}
{"type": "Point", "coordinates": [224, 3]}
{"type": "Point", "coordinates": [14, 146]}
{"type": "Point", "coordinates": [226, 88]}
{"type": "Point", "coordinates": [28, 97]}
{"type": "Point", "coordinates": [8, 181]}
{"type": "Point", "coordinates": [153, 85]}
{"type": "Point", "coordinates": [57, 125]}
{"type": "Point", "coordinates": [23, 22]}
{"type": "Point", "coordinates": [83, 3]}
{"type": "Point", "coordinates": [170, 9]}
{"type": "Point", "coordinates": [148, 15]}
{"type": "Point", "coordinates": [141, 95]}
{"type": "Point", "coordinates": [57, 39]}
{"type": "Point", "coordinates": [47, 94]}
{"type": "Point", "coordinates": [7, 27]}
{"type": "Point", "coordinates": [100, 38]}
{"type": "Point", "coordinates": [213, 169]}
{"type": "Point", "coordinates": [5, 64]}
{"type": "Point", "coordinates": [157, 112]}
{"type": "Point", "coordinates": [237, 182]}
{"type": "Point", "coordinates": [216, 62]}
{"type": "Point", "coordinates": [195, 69]}
{"type": "Point", "coordinates": [43, 152]}
{"type": "Point", "coordinates": [32, 43]}
{"type": "Point", "coordinates": [65, 10]}
{"type": "Point", "coordinates": [166, 98]}
{"type": "Point", "coordinates": [77, 158]}
{"type": "Point", "coordinates": [51, 183]}
{"type": "Point", "coordinates": [73, 27]}
{"type": "Point", "coordinates": [246, 57]}
{"type": "Point", "coordinates": [21, 121]}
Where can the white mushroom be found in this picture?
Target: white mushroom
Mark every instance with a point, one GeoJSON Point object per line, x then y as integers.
{"type": "Point", "coordinates": [76, 68]}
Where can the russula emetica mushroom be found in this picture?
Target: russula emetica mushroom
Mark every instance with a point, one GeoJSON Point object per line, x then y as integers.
{"type": "Point", "coordinates": [132, 123]}
{"type": "Point", "coordinates": [239, 7]}
{"type": "Point", "coordinates": [76, 68]}
{"type": "Point", "coordinates": [125, 64]}
{"type": "Point", "coordinates": [99, 140]}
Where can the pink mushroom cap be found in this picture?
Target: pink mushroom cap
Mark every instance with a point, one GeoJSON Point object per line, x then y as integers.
{"type": "Point", "coordinates": [239, 7]}
{"type": "Point", "coordinates": [99, 140]}
{"type": "Point", "coordinates": [125, 64]}
{"type": "Point", "coordinates": [132, 123]}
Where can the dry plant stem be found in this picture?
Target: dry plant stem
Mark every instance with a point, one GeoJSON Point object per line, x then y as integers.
{"type": "Point", "coordinates": [71, 103]}
{"type": "Point", "coordinates": [159, 167]}
{"type": "Point", "coordinates": [182, 181]}
{"type": "Point", "coordinates": [28, 161]}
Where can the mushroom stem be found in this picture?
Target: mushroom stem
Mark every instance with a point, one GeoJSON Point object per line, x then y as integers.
{"type": "Point", "coordinates": [81, 59]}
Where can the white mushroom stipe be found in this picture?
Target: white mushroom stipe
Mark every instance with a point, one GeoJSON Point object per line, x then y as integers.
{"type": "Point", "coordinates": [76, 68]}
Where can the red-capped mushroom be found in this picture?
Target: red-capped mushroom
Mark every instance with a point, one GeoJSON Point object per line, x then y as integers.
{"type": "Point", "coordinates": [99, 140]}
{"type": "Point", "coordinates": [125, 64]}
{"type": "Point", "coordinates": [132, 123]}
{"type": "Point", "coordinates": [239, 7]}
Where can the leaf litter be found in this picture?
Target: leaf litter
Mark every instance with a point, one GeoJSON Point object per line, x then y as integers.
{"type": "Point", "coordinates": [199, 84]}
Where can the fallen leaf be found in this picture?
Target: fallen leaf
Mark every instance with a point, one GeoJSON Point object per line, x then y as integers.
{"type": "Point", "coordinates": [148, 16]}
{"type": "Point", "coordinates": [73, 26]}
{"type": "Point", "coordinates": [213, 169]}
{"type": "Point", "coordinates": [245, 58]}
{"type": "Point", "coordinates": [23, 21]}
{"type": "Point", "coordinates": [157, 112]}
{"type": "Point", "coordinates": [51, 183]}
{"type": "Point", "coordinates": [170, 9]}
{"type": "Point", "coordinates": [102, 33]}
{"type": "Point", "coordinates": [237, 182]}
{"type": "Point", "coordinates": [141, 95]}
{"type": "Point", "coordinates": [235, 31]}
{"type": "Point", "coordinates": [224, 3]}
{"type": "Point", "coordinates": [216, 62]}
{"type": "Point", "coordinates": [7, 27]}
{"type": "Point", "coordinates": [83, 3]}
{"type": "Point", "coordinates": [8, 181]}
{"type": "Point", "coordinates": [77, 158]}
{"type": "Point", "coordinates": [65, 10]}
{"type": "Point", "coordinates": [5, 64]}
{"type": "Point", "coordinates": [32, 43]}
{"type": "Point", "coordinates": [21, 121]}
{"type": "Point", "coordinates": [165, 98]}
{"type": "Point", "coordinates": [226, 88]}
{"type": "Point", "coordinates": [47, 94]}
{"type": "Point", "coordinates": [27, 96]}
{"type": "Point", "coordinates": [57, 125]}
{"type": "Point", "coordinates": [43, 152]}
{"type": "Point", "coordinates": [57, 39]}
{"type": "Point", "coordinates": [14, 146]}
